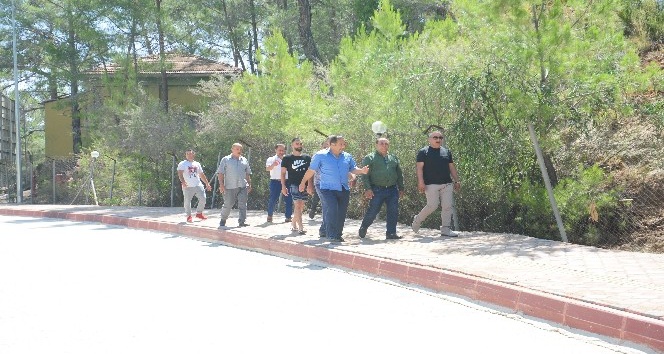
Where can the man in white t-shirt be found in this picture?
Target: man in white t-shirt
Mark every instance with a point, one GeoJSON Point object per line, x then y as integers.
{"type": "Point", "coordinates": [273, 165]}
{"type": "Point", "coordinates": [191, 174]}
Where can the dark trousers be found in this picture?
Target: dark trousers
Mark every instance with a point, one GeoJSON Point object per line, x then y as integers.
{"type": "Point", "coordinates": [313, 203]}
{"type": "Point", "coordinates": [335, 207]}
{"type": "Point", "coordinates": [389, 196]}
{"type": "Point", "coordinates": [321, 231]}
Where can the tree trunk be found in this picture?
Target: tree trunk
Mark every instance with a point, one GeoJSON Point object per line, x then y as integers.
{"type": "Point", "coordinates": [77, 141]}
{"type": "Point", "coordinates": [237, 58]}
{"type": "Point", "coordinates": [52, 85]}
{"type": "Point", "coordinates": [254, 30]}
{"type": "Point", "coordinates": [163, 89]}
{"type": "Point", "coordinates": [250, 53]}
{"type": "Point", "coordinates": [283, 5]}
{"type": "Point", "coordinates": [306, 36]}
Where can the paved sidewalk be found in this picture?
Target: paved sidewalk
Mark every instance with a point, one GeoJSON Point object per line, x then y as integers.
{"type": "Point", "coordinates": [614, 293]}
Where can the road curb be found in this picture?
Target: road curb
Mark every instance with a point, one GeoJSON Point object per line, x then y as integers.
{"type": "Point", "coordinates": [594, 318]}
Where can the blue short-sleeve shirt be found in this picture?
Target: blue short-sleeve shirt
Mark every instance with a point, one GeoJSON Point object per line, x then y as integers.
{"type": "Point", "coordinates": [333, 170]}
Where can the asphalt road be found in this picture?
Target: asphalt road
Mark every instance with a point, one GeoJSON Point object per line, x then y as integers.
{"type": "Point", "coordinates": [70, 287]}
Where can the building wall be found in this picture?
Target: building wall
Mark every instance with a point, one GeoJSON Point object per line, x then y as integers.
{"type": "Point", "coordinates": [57, 129]}
{"type": "Point", "coordinates": [7, 129]}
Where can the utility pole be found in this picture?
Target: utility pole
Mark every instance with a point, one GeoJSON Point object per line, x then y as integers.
{"type": "Point", "coordinates": [19, 189]}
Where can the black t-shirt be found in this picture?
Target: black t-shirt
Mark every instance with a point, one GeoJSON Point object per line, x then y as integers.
{"type": "Point", "coordinates": [436, 165]}
{"type": "Point", "coordinates": [296, 166]}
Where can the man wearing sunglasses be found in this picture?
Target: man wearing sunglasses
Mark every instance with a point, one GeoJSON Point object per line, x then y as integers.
{"type": "Point", "coordinates": [437, 178]}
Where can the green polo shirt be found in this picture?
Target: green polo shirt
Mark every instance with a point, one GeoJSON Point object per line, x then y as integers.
{"type": "Point", "coordinates": [384, 171]}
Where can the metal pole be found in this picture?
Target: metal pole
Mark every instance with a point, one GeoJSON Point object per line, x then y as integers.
{"type": "Point", "coordinates": [92, 180]}
{"type": "Point", "coordinates": [140, 184]}
{"type": "Point", "coordinates": [173, 182]}
{"type": "Point", "coordinates": [53, 177]}
{"type": "Point", "coordinates": [216, 181]}
{"type": "Point", "coordinates": [19, 190]}
{"type": "Point", "coordinates": [32, 183]}
{"type": "Point", "coordinates": [112, 180]}
{"type": "Point", "coordinates": [547, 183]}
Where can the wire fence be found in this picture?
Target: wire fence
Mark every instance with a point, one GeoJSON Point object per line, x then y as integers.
{"type": "Point", "coordinates": [627, 214]}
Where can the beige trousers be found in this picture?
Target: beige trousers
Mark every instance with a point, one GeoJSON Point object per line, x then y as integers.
{"type": "Point", "coordinates": [438, 195]}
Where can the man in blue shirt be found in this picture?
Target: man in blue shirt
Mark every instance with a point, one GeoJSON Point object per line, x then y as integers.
{"type": "Point", "coordinates": [333, 165]}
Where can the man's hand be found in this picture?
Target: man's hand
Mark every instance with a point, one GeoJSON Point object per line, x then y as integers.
{"type": "Point", "coordinates": [208, 187]}
{"type": "Point", "coordinates": [421, 187]}
{"type": "Point", "coordinates": [284, 191]}
{"type": "Point", "coordinates": [368, 194]}
{"type": "Point", "coordinates": [222, 189]}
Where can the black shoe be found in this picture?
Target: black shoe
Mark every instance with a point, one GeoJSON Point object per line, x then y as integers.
{"type": "Point", "coordinates": [322, 236]}
{"type": "Point", "coordinates": [337, 239]}
{"type": "Point", "coordinates": [242, 224]}
{"type": "Point", "coordinates": [362, 232]}
{"type": "Point", "coordinates": [392, 237]}
{"type": "Point", "coordinates": [288, 220]}
{"type": "Point", "coordinates": [222, 223]}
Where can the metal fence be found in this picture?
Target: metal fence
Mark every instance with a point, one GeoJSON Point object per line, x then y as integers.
{"type": "Point", "coordinates": [630, 217]}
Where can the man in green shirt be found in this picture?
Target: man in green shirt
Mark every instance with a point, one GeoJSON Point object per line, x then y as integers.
{"type": "Point", "coordinates": [383, 184]}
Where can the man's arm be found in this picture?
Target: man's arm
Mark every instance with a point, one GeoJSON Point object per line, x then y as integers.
{"type": "Point", "coordinates": [248, 177]}
{"type": "Point", "coordinates": [361, 171]}
{"type": "Point", "coordinates": [420, 176]}
{"type": "Point", "coordinates": [284, 189]}
{"type": "Point", "coordinates": [455, 176]}
{"type": "Point", "coordinates": [222, 188]}
{"type": "Point", "coordinates": [181, 177]}
{"type": "Point", "coordinates": [400, 185]}
{"type": "Point", "coordinates": [205, 180]}
{"type": "Point", "coordinates": [366, 181]}
{"type": "Point", "coordinates": [307, 176]}
{"type": "Point", "coordinates": [269, 166]}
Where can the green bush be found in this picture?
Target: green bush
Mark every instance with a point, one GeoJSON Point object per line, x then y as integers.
{"type": "Point", "coordinates": [578, 196]}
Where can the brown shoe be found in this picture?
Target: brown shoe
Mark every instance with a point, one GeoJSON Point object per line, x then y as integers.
{"type": "Point", "coordinates": [288, 220]}
{"type": "Point", "coordinates": [269, 219]}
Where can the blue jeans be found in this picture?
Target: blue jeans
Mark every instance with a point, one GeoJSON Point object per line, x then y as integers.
{"type": "Point", "coordinates": [275, 192]}
{"type": "Point", "coordinates": [389, 196]}
{"type": "Point", "coordinates": [335, 207]}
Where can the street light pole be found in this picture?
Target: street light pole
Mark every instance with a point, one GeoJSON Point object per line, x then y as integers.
{"type": "Point", "coordinates": [94, 155]}
{"type": "Point", "coordinates": [19, 189]}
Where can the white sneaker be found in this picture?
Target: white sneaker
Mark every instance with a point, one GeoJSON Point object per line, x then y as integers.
{"type": "Point", "coordinates": [416, 224]}
{"type": "Point", "coordinates": [445, 231]}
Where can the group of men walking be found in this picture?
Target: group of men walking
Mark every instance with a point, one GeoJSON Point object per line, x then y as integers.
{"type": "Point", "coordinates": [328, 175]}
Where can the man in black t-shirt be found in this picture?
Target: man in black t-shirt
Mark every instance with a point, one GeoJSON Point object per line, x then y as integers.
{"type": "Point", "coordinates": [437, 178]}
{"type": "Point", "coordinates": [296, 165]}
